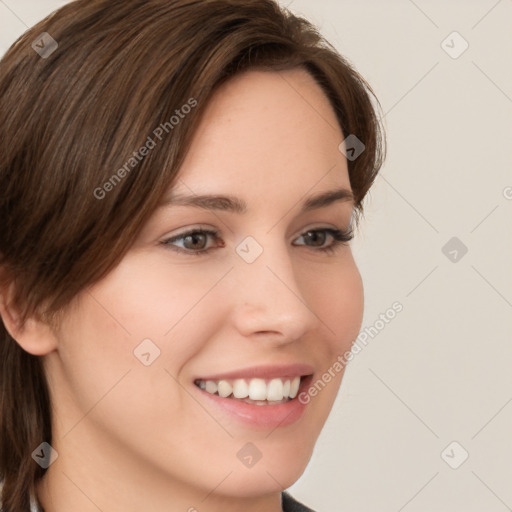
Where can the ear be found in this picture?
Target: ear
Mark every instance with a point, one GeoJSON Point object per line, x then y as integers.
{"type": "Point", "coordinates": [35, 335]}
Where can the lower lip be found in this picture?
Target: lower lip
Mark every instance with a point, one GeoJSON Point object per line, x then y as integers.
{"type": "Point", "coordinates": [267, 416]}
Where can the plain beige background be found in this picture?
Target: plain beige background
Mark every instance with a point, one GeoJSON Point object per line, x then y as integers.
{"type": "Point", "coordinates": [434, 384]}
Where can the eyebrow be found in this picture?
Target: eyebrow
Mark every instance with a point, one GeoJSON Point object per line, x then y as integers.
{"type": "Point", "coordinates": [236, 205]}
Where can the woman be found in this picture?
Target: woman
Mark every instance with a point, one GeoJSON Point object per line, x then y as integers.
{"type": "Point", "coordinates": [180, 181]}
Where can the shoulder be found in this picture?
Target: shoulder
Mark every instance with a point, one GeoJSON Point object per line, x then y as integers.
{"type": "Point", "coordinates": [292, 505]}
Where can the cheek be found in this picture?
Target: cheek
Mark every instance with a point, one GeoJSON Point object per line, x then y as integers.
{"type": "Point", "coordinates": [102, 375]}
{"type": "Point", "coordinates": [337, 298]}
{"type": "Point", "coordinates": [151, 298]}
{"type": "Point", "coordinates": [111, 319]}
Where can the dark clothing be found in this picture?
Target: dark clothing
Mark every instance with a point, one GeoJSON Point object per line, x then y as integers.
{"type": "Point", "coordinates": [291, 505]}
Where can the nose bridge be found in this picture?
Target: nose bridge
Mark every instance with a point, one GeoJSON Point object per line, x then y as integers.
{"type": "Point", "coordinates": [268, 294]}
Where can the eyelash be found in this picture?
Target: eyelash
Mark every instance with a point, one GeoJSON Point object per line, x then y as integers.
{"type": "Point", "coordinates": [340, 238]}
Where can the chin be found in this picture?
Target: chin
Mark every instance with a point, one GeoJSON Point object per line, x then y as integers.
{"type": "Point", "coordinates": [280, 466]}
{"type": "Point", "coordinates": [257, 482]}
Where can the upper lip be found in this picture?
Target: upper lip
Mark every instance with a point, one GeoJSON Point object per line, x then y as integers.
{"type": "Point", "coordinates": [263, 372]}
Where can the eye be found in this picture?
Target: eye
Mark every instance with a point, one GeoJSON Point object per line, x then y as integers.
{"type": "Point", "coordinates": [317, 238]}
{"type": "Point", "coordinates": [196, 241]}
{"type": "Point", "coordinates": [193, 242]}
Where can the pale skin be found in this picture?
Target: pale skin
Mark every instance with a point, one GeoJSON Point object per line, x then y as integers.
{"type": "Point", "coordinates": [132, 437]}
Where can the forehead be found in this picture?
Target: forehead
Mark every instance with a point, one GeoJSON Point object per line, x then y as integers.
{"type": "Point", "coordinates": [262, 132]}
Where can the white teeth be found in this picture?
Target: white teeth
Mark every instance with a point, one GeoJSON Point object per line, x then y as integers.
{"type": "Point", "coordinates": [257, 389]}
{"type": "Point", "coordinates": [211, 386]}
{"type": "Point", "coordinates": [276, 390]}
{"type": "Point", "coordinates": [286, 387]}
{"type": "Point", "coordinates": [240, 389]}
{"type": "Point", "coordinates": [294, 387]}
{"type": "Point", "coordinates": [224, 388]}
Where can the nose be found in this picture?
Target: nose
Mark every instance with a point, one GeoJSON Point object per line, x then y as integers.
{"type": "Point", "coordinates": [268, 299]}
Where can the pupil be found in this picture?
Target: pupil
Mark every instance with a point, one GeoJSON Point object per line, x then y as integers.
{"type": "Point", "coordinates": [195, 241]}
{"type": "Point", "coordinates": [317, 237]}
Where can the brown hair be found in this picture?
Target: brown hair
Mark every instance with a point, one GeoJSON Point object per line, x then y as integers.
{"type": "Point", "coordinates": [72, 119]}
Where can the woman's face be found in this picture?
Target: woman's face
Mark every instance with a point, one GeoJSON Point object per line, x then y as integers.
{"type": "Point", "coordinates": [258, 299]}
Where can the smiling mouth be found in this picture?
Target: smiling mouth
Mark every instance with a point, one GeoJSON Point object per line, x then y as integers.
{"type": "Point", "coordinates": [254, 391]}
